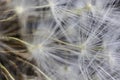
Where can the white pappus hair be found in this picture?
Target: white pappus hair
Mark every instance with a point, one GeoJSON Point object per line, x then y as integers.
{"type": "Point", "coordinates": [73, 39]}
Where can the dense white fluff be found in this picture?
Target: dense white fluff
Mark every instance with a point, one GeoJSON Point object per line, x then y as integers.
{"type": "Point", "coordinates": [23, 6]}
{"type": "Point", "coordinates": [24, 10]}
{"type": "Point", "coordinates": [79, 40]}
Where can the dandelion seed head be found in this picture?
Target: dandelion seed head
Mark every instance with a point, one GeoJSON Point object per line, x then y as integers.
{"type": "Point", "coordinates": [69, 37]}
{"type": "Point", "coordinates": [89, 5]}
{"type": "Point", "coordinates": [19, 10]}
{"type": "Point", "coordinates": [82, 47]}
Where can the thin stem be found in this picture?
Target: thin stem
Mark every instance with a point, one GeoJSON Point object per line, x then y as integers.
{"type": "Point", "coordinates": [7, 71]}
{"type": "Point", "coordinates": [9, 18]}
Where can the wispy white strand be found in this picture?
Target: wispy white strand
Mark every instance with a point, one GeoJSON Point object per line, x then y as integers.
{"type": "Point", "coordinates": [79, 40]}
